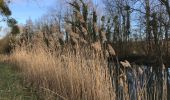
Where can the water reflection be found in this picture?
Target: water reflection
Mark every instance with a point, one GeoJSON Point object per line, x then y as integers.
{"type": "Point", "coordinates": [139, 81]}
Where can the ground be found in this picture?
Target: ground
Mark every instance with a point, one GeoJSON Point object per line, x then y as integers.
{"type": "Point", "coordinates": [11, 87]}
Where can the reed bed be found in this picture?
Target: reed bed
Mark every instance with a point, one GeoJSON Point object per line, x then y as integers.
{"type": "Point", "coordinates": [65, 76]}
{"type": "Point", "coordinates": [86, 75]}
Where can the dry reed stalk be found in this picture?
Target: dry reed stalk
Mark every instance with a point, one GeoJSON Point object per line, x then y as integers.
{"type": "Point", "coordinates": [78, 30]}
{"type": "Point", "coordinates": [106, 53]}
{"type": "Point", "coordinates": [83, 41]}
{"type": "Point", "coordinates": [97, 46]}
{"type": "Point", "coordinates": [140, 70]}
{"type": "Point", "coordinates": [67, 28]}
{"type": "Point", "coordinates": [163, 67]}
{"type": "Point", "coordinates": [80, 17]}
{"type": "Point", "coordinates": [103, 35]}
{"type": "Point", "coordinates": [75, 35]}
{"type": "Point", "coordinates": [96, 28]}
{"type": "Point", "coordinates": [84, 31]}
{"type": "Point", "coordinates": [125, 63]}
{"type": "Point", "coordinates": [111, 50]}
{"type": "Point", "coordinates": [75, 40]}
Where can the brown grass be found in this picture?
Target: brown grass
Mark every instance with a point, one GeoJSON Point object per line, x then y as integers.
{"type": "Point", "coordinates": [84, 75]}
{"type": "Point", "coordinates": [67, 76]}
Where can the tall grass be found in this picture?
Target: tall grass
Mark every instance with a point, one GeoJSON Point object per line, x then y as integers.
{"type": "Point", "coordinates": [65, 75]}
{"type": "Point", "coordinates": [83, 73]}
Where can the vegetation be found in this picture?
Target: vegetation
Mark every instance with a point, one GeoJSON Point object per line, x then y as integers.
{"type": "Point", "coordinates": [11, 87]}
{"type": "Point", "coordinates": [75, 54]}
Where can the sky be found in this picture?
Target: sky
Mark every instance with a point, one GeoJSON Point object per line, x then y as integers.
{"type": "Point", "coordinates": [23, 10]}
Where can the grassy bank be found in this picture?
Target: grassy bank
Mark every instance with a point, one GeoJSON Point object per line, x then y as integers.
{"type": "Point", "coordinates": [10, 85]}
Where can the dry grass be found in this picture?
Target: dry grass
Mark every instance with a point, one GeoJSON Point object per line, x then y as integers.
{"type": "Point", "coordinates": [84, 75]}
{"type": "Point", "coordinates": [66, 76]}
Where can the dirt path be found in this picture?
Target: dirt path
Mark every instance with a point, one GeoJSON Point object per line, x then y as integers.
{"type": "Point", "coordinates": [10, 87]}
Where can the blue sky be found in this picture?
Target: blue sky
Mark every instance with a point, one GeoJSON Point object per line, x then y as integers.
{"type": "Point", "coordinates": [24, 9]}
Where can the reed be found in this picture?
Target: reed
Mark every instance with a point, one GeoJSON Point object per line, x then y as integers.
{"type": "Point", "coordinates": [65, 76]}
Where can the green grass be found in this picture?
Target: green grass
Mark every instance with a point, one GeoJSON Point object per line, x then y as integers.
{"type": "Point", "coordinates": [11, 87]}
